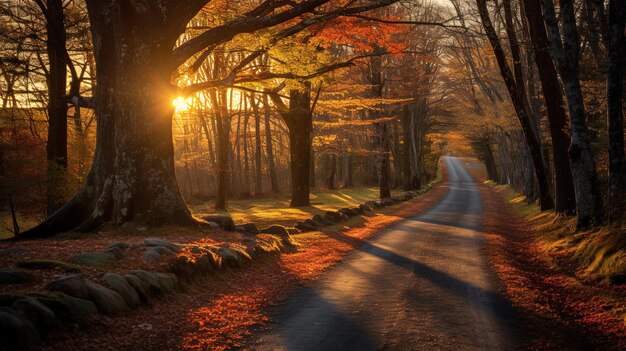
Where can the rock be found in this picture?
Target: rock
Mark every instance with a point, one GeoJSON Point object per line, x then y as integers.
{"type": "Point", "coordinates": [157, 254]}
{"type": "Point", "coordinates": [224, 222]}
{"type": "Point", "coordinates": [214, 225]}
{"type": "Point", "coordinates": [292, 231]}
{"type": "Point", "coordinates": [129, 225]}
{"type": "Point", "coordinates": [347, 211]}
{"type": "Point", "coordinates": [141, 288]}
{"type": "Point", "coordinates": [373, 204]}
{"type": "Point", "coordinates": [276, 230]}
{"type": "Point", "coordinates": [121, 286]}
{"type": "Point", "coordinates": [48, 264]}
{"type": "Point", "coordinates": [250, 228]}
{"type": "Point", "coordinates": [387, 202]}
{"type": "Point", "coordinates": [249, 241]}
{"type": "Point", "coordinates": [108, 301]}
{"type": "Point", "coordinates": [16, 332]}
{"type": "Point", "coordinates": [229, 257]}
{"type": "Point", "coordinates": [304, 227]}
{"type": "Point", "coordinates": [365, 208]}
{"type": "Point", "coordinates": [358, 210]}
{"type": "Point", "coordinates": [168, 282]}
{"type": "Point", "coordinates": [117, 252]}
{"type": "Point", "coordinates": [240, 229]}
{"type": "Point", "coordinates": [36, 312]}
{"type": "Point", "coordinates": [160, 242]}
{"type": "Point", "coordinates": [310, 222]}
{"type": "Point", "coordinates": [118, 245]}
{"type": "Point", "coordinates": [94, 258]}
{"type": "Point", "coordinates": [6, 300]}
{"type": "Point", "coordinates": [72, 285]}
{"type": "Point", "coordinates": [12, 251]}
{"type": "Point", "coordinates": [69, 309]}
{"type": "Point", "coordinates": [333, 216]}
{"type": "Point", "coordinates": [149, 279]}
{"type": "Point", "coordinates": [343, 216]}
{"type": "Point", "coordinates": [12, 276]}
{"type": "Point", "coordinates": [320, 221]}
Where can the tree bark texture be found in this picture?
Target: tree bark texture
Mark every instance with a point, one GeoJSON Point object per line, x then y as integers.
{"type": "Point", "coordinates": [564, 194]}
{"type": "Point", "coordinates": [565, 53]}
{"type": "Point", "coordinates": [521, 108]}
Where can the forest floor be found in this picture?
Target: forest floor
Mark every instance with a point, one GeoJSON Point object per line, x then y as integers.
{"type": "Point", "coordinates": [537, 258]}
{"type": "Point", "coordinates": [220, 311]}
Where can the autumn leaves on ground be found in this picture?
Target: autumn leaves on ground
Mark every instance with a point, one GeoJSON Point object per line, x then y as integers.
{"type": "Point", "coordinates": [561, 309]}
{"type": "Point", "coordinates": [221, 312]}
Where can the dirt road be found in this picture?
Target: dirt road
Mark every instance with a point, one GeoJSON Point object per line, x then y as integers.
{"type": "Point", "coordinates": [422, 284]}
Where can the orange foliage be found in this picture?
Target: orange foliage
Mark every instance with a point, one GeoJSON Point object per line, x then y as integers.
{"type": "Point", "coordinates": [361, 34]}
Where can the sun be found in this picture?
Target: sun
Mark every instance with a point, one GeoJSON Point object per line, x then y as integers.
{"type": "Point", "coordinates": [181, 104]}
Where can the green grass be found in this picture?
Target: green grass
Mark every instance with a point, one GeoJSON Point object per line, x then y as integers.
{"type": "Point", "coordinates": [263, 211]}
{"type": "Point", "coordinates": [276, 210]}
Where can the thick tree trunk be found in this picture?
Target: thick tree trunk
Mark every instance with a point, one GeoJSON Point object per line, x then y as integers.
{"type": "Point", "coordinates": [268, 146]}
{"type": "Point", "coordinates": [565, 197]}
{"type": "Point", "coordinates": [300, 152]}
{"type": "Point", "coordinates": [521, 108]}
{"type": "Point", "coordinates": [132, 177]}
{"type": "Point", "coordinates": [56, 147]}
{"type": "Point", "coordinates": [299, 119]}
{"type": "Point", "coordinates": [615, 89]}
{"type": "Point", "coordinates": [565, 53]}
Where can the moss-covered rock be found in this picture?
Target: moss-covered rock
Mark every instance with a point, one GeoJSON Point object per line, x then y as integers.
{"type": "Point", "coordinates": [48, 264]}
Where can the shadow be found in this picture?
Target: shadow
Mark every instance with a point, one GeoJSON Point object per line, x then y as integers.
{"type": "Point", "coordinates": [487, 301]}
{"type": "Point", "coordinates": [308, 321]}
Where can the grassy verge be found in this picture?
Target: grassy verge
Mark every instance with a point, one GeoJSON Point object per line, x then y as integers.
{"type": "Point", "coordinates": [275, 210]}
{"type": "Point", "coordinates": [547, 272]}
{"type": "Point", "coordinates": [598, 254]}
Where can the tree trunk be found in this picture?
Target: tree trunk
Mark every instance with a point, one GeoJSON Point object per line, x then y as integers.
{"type": "Point", "coordinates": [332, 167]}
{"type": "Point", "coordinates": [246, 159]}
{"type": "Point", "coordinates": [565, 53]}
{"type": "Point", "coordinates": [615, 88]}
{"type": "Point", "coordinates": [132, 177]}
{"type": "Point", "coordinates": [223, 147]}
{"type": "Point", "coordinates": [381, 132]}
{"type": "Point", "coordinates": [56, 147]}
{"type": "Point", "coordinates": [299, 120]}
{"type": "Point", "coordinates": [564, 194]}
{"type": "Point", "coordinates": [521, 108]}
{"type": "Point", "coordinates": [258, 179]}
{"type": "Point", "coordinates": [406, 148]}
{"type": "Point", "coordinates": [268, 146]}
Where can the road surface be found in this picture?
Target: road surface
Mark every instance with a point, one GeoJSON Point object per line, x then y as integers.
{"type": "Point", "coordinates": [422, 284]}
